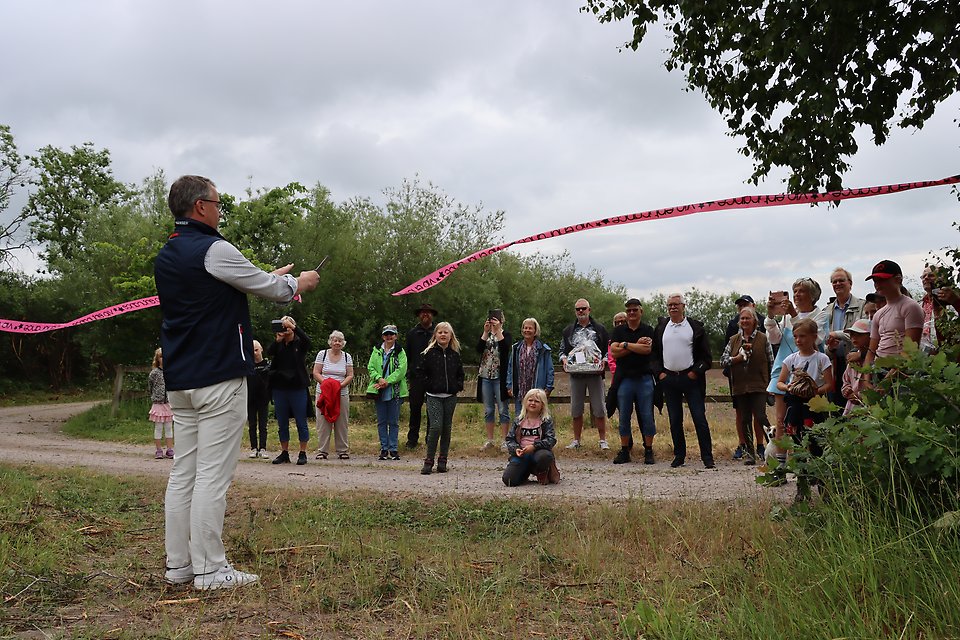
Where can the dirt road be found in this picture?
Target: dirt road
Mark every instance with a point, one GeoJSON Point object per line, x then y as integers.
{"type": "Point", "coordinates": [32, 436]}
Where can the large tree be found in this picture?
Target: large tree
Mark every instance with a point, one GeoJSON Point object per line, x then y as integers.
{"type": "Point", "coordinates": [13, 175]}
{"type": "Point", "coordinates": [796, 79]}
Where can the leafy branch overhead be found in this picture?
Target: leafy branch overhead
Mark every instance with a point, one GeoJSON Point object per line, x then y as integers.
{"type": "Point", "coordinates": [796, 79]}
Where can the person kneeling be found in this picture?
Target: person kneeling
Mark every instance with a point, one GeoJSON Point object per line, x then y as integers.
{"type": "Point", "coordinates": [530, 443]}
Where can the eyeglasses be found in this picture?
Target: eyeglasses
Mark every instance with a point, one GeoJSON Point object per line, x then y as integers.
{"type": "Point", "coordinates": [674, 304]}
{"type": "Point", "coordinates": [216, 202]}
{"type": "Point", "coordinates": [581, 308]}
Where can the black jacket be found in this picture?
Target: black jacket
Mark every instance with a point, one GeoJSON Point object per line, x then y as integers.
{"type": "Point", "coordinates": [417, 340]}
{"type": "Point", "coordinates": [288, 369]}
{"type": "Point", "coordinates": [440, 371]}
{"type": "Point", "coordinates": [503, 347]}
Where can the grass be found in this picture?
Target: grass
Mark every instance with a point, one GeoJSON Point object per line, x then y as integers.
{"type": "Point", "coordinates": [11, 397]}
{"type": "Point", "coordinates": [131, 426]}
{"type": "Point", "coordinates": [83, 553]}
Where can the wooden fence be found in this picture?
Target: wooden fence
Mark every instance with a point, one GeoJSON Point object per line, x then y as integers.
{"type": "Point", "coordinates": [561, 393]}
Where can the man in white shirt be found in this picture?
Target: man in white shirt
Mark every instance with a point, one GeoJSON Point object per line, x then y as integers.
{"type": "Point", "coordinates": [681, 359]}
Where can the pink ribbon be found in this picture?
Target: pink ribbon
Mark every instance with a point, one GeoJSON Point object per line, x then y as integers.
{"type": "Point", "coordinates": [743, 202]}
{"type": "Point", "coordinates": [22, 326]}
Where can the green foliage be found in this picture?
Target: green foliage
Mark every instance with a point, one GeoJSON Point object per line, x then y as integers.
{"type": "Point", "coordinates": [796, 79]}
{"type": "Point", "coordinates": [903, 446]}
{"type": "Point", "coordinates": [13, 175]}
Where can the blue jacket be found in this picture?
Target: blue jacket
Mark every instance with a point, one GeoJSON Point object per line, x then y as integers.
{"type": "Point", "coordinates": [543, 375]}
{"type": "Point", "coordinates": [205, 335]}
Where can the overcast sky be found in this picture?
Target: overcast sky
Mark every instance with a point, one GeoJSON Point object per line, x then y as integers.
{"type": "Point", "coordinates": [527, 107]}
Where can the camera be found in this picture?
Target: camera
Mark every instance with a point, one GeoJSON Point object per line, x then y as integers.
{"type": "Point", "coordinates": [276, 326]}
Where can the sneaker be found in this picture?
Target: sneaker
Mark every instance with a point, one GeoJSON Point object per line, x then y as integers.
{"type": "Point", "coordinates": [383, 454]}
{"type": "Point", "coordinates": [169, 454]}
{"type": "Point", "coordinates": [749, 460]}
{"type": "Point", "coordinates": [264, 454]}
{"type": "Point", "coordinates": [302, 458]}
{"type": "Point", "coordinates": [254, 453]}
{"type": "Point", "coordinates": [487, 445]}
{"type": "Point", "coordinates": [394, 455]}
{"type": "Point", "coordinates": [604, 446]}
{"type": "Point", "coordinates": [283, 458]}
{"type": "Point", "coordinates": [709, 464]}
{"type": "Point", "coordinates": [623, 456]}
{"type": "Point", "coordinates": [574, 445]}
{"type": "Point", "coordinates": [225, 578]}
{"type": "Point", "coordinates": [648, 455]}
{"type": "Point", "coordinates": [183, 575]}
{"type": "Point", "coordinates": [158, 455]}
{"type": "Point", "coordinates": [677, 462]}
{"type": "Point", "coordinates": [738, 452]}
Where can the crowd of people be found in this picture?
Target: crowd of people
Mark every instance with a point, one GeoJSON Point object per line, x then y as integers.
{"type": "Point", "coordinates": [794, 352]}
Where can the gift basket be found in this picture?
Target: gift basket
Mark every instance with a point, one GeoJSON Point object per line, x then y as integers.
{"type": "Point", "coordinates": [585, 356]}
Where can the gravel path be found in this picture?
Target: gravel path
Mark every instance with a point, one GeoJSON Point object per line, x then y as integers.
{"type": "Point", "coordinates": [32, 436]}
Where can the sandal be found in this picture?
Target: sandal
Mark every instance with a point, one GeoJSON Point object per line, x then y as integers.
{"type": "Point", "coordinates": [321, 455]}
{"type": "Point", "coordinates": [343, 456]}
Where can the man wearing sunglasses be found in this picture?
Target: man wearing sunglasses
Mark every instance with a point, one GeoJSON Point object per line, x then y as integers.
{"type": "Point", "coordinates": [584, 330]}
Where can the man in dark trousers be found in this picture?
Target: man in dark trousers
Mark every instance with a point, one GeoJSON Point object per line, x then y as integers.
{"type": "Point", "coordinates": [631, 344]}
{"type": "Point", "coordinates": [207, 342]}
{"type": "Point", "coordinates": [681, 358]}
{"type": "Point", "coordinates": [417, 339]}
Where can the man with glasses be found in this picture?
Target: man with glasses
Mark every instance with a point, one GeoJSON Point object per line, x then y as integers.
{"type": "Point", "coordinates": [839, 315]}
{"type": "Point", "coordinates": [632, 344]}
{"type": "Point", "coordinates": [207, 343]}
{"type": "Point", "coordinates": [681, 358]}
{"type": "Point", "coordinates": [584, 329]}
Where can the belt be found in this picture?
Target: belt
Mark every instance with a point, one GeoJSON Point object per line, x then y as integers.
{"type": "Point", "coordinates": [677, 373]}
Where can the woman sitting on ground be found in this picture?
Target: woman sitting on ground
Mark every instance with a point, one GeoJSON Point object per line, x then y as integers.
{"type": "Point", "coordinates": [530, 443]}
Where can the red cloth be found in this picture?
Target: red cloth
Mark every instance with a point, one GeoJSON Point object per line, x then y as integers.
{"type": "Point", "coordinates": [329, 400]}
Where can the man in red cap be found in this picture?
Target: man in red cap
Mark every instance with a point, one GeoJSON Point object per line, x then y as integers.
{"type": "Point", "coordinates": [900, 318]}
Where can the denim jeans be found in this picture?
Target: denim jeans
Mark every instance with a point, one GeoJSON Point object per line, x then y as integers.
{"type": "Point", "coordinates": [388, 423]}
{"type": "Point", "coordinates": [287, 402]}
{"type": "Point", "coordinates": [492, 401]}
{"type": "Point", "coordinates": [675, 389]}
{"type": "Point", "coordinates": [636, 393]}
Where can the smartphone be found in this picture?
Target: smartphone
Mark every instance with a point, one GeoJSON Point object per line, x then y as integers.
{"type": "Point", "coordinates": [276, 326]}
{"type": "Point", "coordinates": [779, 296]}
{"type": "Point", "coordinates": [495, 313]}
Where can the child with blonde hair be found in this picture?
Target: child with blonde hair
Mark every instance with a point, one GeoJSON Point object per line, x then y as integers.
{"type": "Point", "coordinates": [530, 443]}
{"type": "Point", "coordinates": [160, 413]}
{"type": "Point", "coordinates": [440, 371]}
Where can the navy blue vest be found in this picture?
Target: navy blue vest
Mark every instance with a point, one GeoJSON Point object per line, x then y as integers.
{"type": "Point", "coordinates": [205, 336]}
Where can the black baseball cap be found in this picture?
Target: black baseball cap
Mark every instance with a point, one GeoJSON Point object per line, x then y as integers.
{"type": "Point", "coordinates": [744, 299]}
{"type": "Point", "coordinates": [874, 297]}
{"type": "Point", "coordinates": [885, 269]}
{"type": "Point", "coordinates": [633, 302]}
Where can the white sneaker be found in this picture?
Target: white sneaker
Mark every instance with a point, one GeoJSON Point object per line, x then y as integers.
{"type": "Point", "coordinates": [183, 575]}
{"type": "Point", "coordinates": [574, 445]}
{"type": "Point", "coordinates": [226, 578]}
{"type": "Point", "coordinates": [487, 445]}
{"type": "Point", "coordinates": [604, 446]}
{"type": "Point", "coordinates": [264, 454]}
{"type": "Point", "coordinates": [254, 453]}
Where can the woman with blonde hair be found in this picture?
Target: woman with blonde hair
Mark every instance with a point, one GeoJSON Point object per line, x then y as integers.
{"type": "Point", "coordinates": [441, 373]}
{"type": "Point", "coordinates": [530, 443]}
{"type": "Point", "coordinates": [531, 364]}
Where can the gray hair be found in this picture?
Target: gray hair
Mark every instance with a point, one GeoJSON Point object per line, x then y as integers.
{"type": "Point", "coordinates": [753, 312]}
{"type": "Point", "coordinates": [811, 285]}
{"type": "Point", "coordinates": [533, 321]}
{"type": "Point", "coordinates": [185, 192]}
{"type": "Point", "coordinates": [337, 334]}
{"type": "Point", "coordinates": [677, 295]}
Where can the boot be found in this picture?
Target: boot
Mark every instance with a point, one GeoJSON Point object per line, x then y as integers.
{"type": "Point", "coordinates": [427, 467]}
{"type": "Point", "coordinates": [442, 464]}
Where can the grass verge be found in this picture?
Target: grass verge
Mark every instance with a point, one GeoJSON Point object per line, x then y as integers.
{"type": "Point", "coordinates": [82, 557]}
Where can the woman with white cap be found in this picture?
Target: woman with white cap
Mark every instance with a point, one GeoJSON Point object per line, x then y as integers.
{"type": "Point", "coordinates": [388, 382]}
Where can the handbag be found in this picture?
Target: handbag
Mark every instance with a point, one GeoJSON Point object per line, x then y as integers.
{"type": "Point", "coordinates": [803, 385]}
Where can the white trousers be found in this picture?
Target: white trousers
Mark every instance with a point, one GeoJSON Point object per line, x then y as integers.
{"type": "Point", "coordinates": [210, 423]}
